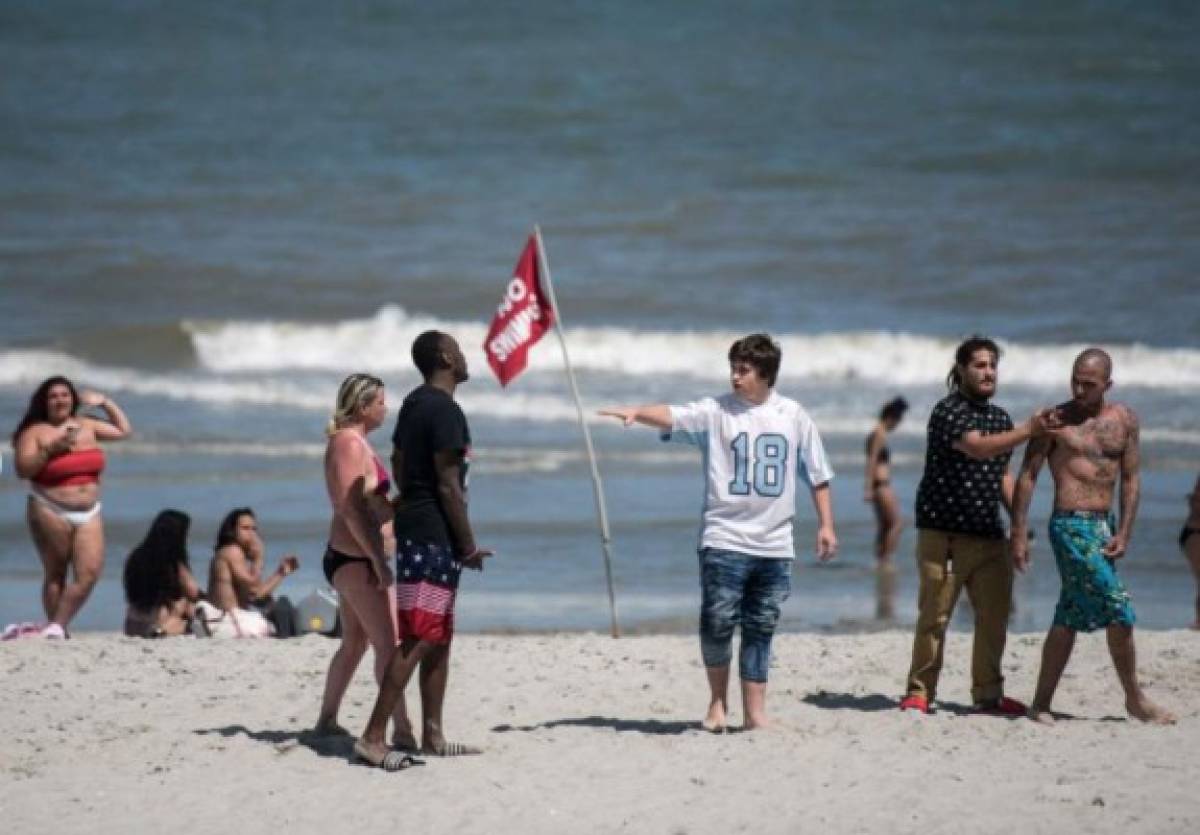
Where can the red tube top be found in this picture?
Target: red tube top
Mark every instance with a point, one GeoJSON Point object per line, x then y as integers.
{"type": "Point", "coordinates": [80, 466]}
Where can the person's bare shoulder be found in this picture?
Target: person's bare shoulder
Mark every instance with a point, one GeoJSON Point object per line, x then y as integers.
{"type": "Point", "coordinates": [344, 444]}
{"type": "Point", "coordinates": [1117, 429]}
{"type": "Point", "coordinates": [37, 432]}
{"type": "Point", "coordinates": [1125, 414]}
{"type": "Point", "coordinates": [340, 439]}
{"type": "Point", "coordinates": [226, 553]}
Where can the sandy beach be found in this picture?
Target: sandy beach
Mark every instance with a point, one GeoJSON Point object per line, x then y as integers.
{"type": "Point", "coordinates": [105, 734]}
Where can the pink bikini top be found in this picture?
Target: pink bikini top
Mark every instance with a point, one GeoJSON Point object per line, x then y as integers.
{"type": "Point", "coordinates": [382, 483]}
{"type": "Point", "coordinates": [381, 476]}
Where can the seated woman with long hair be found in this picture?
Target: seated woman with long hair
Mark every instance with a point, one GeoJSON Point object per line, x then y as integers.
{"type": "Point", "coordinates": [159, 586]}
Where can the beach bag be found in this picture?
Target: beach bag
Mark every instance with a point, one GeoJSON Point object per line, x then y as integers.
{"type": "Point", "coordinates": [318, 612]}
{"type": "Point", "coordinates": [235, 623]}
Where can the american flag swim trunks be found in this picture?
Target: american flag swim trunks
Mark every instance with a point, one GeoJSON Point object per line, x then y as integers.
{"type": "Point", "coordinates": [426, 587]}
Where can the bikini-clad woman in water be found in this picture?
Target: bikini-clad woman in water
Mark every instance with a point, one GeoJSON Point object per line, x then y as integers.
{"type": "Point", "coordinates": [1189, 541]}
{"type": "Point", "coordinates": [361, 547]}
{"type": "Point", "coordinates": [58, 451]}
{"type": "Point", "coordinates": [877, 490]}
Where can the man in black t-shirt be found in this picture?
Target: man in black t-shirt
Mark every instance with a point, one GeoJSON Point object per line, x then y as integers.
{"type": "Point", "coordinates": [960, 538]}
{"type": "Point", "coordinates": [434, 542]}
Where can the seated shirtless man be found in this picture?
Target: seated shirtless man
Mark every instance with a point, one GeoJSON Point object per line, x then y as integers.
{"type": "Point", "coordinates": [235, 578]}
{"type": "Point", "coordinates": [1096, 443]}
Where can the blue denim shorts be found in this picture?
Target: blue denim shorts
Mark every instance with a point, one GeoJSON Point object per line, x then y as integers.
{"type": "Point", "coordinates": [741, 590]}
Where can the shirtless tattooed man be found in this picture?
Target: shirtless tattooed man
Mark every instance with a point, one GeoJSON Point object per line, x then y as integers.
{"type": "Point", "coordinates": [1096, 443]}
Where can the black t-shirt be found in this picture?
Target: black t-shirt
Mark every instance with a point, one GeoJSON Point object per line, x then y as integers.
{"type": "Point", "coordinates": [429, 422]}
{"type": "Point", "coordinates": [959, 494]}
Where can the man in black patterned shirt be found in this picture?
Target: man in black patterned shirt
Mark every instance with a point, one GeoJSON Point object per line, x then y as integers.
{"type": "Point", "coordinates": [960, 538]}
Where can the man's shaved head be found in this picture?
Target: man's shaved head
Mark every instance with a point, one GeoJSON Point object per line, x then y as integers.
{"type": "Point", "coordinates": [1097, 358]}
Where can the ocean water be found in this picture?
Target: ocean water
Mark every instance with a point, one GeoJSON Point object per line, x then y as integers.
{"type": "Point", "coordinates": [214, 212]}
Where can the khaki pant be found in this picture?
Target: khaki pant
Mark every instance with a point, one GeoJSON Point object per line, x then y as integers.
{"type": "Point", "coordinates": [947, 562]}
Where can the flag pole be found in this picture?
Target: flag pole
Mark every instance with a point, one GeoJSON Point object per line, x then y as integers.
{"type": "Point", "coordinates": [597, 487]}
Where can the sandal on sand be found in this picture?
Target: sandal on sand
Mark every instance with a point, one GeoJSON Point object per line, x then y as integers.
{"type": "Point", "coordinates": [452, 749]}
{"type": "Point", "coordinates": [391, 761]}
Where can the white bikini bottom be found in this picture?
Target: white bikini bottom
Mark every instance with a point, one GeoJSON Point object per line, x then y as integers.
{"type": "Point", "coordinates": [74, 518]}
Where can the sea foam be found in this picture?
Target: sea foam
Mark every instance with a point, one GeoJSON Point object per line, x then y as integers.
{"type": "Point", "coordinates": [899, 359]}
{"type": "Point", "coordinates": [297, 365]}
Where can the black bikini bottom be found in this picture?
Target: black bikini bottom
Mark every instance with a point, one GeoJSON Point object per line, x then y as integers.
{"type": "Point", "coordinates": [1185, 534]}
{"type": "Point", "coordinates": [333, 560]}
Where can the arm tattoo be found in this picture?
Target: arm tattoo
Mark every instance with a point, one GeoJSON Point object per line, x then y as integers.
{"type": "Point", "coordinates": [1131, 486]}
{"type": "Point", "coordinates": [1035, 455]}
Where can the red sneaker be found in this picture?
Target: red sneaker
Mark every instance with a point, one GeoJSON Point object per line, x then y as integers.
{"type": "Point", "coordinates": [915, 702]}
{"type": "Point", "coordinates": [1003, 706]}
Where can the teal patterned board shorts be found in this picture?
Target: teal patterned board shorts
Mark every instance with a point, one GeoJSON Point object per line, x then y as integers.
{"type": "Point", "coordinates": [1092, 595]}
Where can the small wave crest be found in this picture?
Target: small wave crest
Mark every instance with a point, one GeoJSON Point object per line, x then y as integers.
{"type": "Point", "coordinates": [313, 391]}
{"type": "Point", "coordinates": [899, 359]}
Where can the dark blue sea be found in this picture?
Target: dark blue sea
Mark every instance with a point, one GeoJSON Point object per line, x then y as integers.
{"type": "Point", "coordinates": [214, 211]}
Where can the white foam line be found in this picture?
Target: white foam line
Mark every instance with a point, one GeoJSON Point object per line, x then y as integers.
{"type": "Point", "coordinates": [896, 359]}
{"type": "Point", "coordinates": [22, 370]}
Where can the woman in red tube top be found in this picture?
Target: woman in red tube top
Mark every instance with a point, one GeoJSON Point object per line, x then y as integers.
{"type": "Point", "coordinates": [58, 451]}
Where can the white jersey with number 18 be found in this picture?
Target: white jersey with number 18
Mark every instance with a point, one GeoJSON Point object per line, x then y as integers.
{"type": "Point", "coordinates": [753, 456]}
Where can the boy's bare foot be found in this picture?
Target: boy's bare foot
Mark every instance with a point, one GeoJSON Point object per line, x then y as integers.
{"type": "Point", "coordinates": [756, 723]}
{"type": "Point", "coordinates": [1042, 716]}
{"type": "Point", "coordinates": [714, 720]}
{"type": "Point", "coordinates": [1147, 711]}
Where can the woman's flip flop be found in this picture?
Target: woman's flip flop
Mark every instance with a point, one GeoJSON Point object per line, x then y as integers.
{"type": "Point", "coordinates": [391, 761]}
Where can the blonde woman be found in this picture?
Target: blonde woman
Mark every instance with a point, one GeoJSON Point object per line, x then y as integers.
{"type": "Point", "coordinates": [58, 450]}
{"type": "Point", "coordinates": [361, 544]}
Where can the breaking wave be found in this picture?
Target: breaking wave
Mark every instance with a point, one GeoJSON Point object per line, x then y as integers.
{"type": "Point", "coordinates": [901, 359]}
